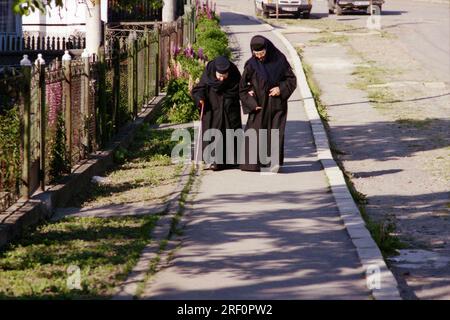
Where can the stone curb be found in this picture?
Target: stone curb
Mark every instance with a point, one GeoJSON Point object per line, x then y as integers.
{"type": "Point", "coordinates": [369, 253]}
{"type": "Point", "coordinates": [128, 289]}
{"type": "Point", "coordinates": [24, 214]}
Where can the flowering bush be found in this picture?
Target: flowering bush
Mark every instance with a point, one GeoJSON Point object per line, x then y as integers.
{"type": "Point", "coordinates": [188, 64]}
{"type": "Point", "coordinates": [179, 105]}
{"type": "Point", "coordinates": [209, 35]}
{"type": "Point", "coordinates": [205, 9]}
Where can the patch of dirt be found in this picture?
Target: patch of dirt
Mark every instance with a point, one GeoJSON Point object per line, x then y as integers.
{"type": "Point", "coordinates": [394, 139]}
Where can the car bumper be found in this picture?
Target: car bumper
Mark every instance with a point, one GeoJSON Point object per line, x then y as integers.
{"type": "Point", "coordinates": [289, 8]}
{"type": "Point", "coordinates": [358, 4]}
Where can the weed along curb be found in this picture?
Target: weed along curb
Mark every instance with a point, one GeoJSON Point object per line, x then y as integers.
{"type": "Point", "coordinates": [133, 286]}
{"type": "Point", "coordinates": [380, 279]}
{"type": "Point", "coordinates": [23, 215]}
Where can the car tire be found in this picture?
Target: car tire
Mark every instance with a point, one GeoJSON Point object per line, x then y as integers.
{"type": "Point", "coordinates": [305, 15]}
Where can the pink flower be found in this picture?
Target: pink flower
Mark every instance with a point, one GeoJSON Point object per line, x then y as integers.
{"type": "Point", "coordinates": [54, 98]}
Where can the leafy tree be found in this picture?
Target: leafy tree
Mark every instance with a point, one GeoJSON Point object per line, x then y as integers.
{"type": "Point", "coordinates": [25, 7]}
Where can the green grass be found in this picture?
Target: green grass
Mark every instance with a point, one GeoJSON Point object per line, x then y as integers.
{"type": "Point", "coordinates": [174, 229]}
{"type": "Point", "coordinates": [153, 268]}
{"type": "Point", "coordinates": [330, 38]}
{"type": "Point", "coordinates": [383, 231]}
{"type": "Point", "coordinates": [314, 87]}
{"type": "Point", "coordinates": [144, 172]}
{"type": "Point", "coordinates": [381, 98]}
{"type": "Point", "coordinates": [415, 123]}
{"type": "Point", "coordinates": [367, 75]}
{"type": "Point", "coordinates": [105, 250]}
{"type": "Point", "coordinates": [324, 25]}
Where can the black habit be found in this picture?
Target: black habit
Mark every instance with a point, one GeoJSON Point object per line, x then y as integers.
{"type": "Point", "coordinates": [260, 77]}
{"type": "Point", "coordinates": [222, 107]}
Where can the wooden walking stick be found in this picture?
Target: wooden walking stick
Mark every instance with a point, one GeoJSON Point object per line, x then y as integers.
{"type": "Point", "coordinates": [200, 134]}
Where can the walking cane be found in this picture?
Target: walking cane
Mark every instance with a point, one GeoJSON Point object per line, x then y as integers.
{"type": "Point", "coordinates": [200, 133]}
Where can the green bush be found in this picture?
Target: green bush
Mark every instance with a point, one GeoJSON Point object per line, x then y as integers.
{"type": "Point", "coordinates": [178, 107]}
{"type": "Point", "coordinates": [10, 150]}
{"type": "Point", "coordinates": [59, 163]}
{"type": "Point", "coordinates": [192, 66]}
{"type": "Point", "coordinates": [213, 48]}
{"type": "Point", "coordinates": [120, 155]}
{"type": "Point", "coordinates": [211, 38]}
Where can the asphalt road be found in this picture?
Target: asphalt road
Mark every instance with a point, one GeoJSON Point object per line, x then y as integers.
{"type": "Point", "coordinates": [422, 27]}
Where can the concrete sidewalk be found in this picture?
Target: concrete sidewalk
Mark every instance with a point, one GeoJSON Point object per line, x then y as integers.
{"type": "Point", "coordinates": [265, 236]}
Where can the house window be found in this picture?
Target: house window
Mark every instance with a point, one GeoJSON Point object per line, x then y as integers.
{"type": "Point", "coordinates": [7, 18]}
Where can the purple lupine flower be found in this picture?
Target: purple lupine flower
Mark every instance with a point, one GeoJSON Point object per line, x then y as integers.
{"type": "Point", "coordinates": [201, 54]}
{"type": "Point", "coordinates": [175, 50]}
{"type": "Point", "coordinates": [189, 52]}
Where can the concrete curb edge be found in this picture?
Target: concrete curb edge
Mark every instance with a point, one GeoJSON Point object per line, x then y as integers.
{"type": "Point", "coordinates": [380, 279]}
{"type": "Point", "coordinates": [128, 289]}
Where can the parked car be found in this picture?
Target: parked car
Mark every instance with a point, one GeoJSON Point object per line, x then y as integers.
{"type": "Point", "coordinates": [339, 6]}
{"type": "Point", "coordinates": [299, 8]}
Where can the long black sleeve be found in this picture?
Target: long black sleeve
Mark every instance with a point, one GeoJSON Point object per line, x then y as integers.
{"type": "Point", "coordinates": [249, 102]}
{"type": "Point", "coordinates": [288, 85]}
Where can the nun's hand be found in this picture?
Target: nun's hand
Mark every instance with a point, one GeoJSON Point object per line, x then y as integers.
{"type": "Point", "coordinates": [201, 103]}
{"type": "Point", "coordinates": [258, 108]}
{"type": "Point", "coordinates": [252, 93]}
{"type": "Point", "coordinates": [274, 92]}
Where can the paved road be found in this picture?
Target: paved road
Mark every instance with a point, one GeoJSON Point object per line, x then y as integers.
{"type": "Point", "coordinates": [422, 27]}
{"type": "Point", "coordinates": [253, 236]}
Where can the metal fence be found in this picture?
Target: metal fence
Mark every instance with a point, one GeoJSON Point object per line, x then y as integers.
{"type": "Point", "coordinates": [54, 116]}
{"type": "Point", "coordinates": [10, 43]}
{"type": "Point", "coordinates": [142, 11]}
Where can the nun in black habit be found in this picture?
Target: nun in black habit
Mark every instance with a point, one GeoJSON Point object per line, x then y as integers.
{"type": "Point", "coordinates": [218, 93]}
{"type": "Point", "coordinates": [266, 85]}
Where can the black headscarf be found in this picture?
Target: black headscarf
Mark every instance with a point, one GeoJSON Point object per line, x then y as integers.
{"type": "Point", "coordinates": [222, 65]}
{"type": "Point", "coordinates": [275, 64]}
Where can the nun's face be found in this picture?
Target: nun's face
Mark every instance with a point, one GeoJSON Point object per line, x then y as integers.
{"type": "Point", "coordinates": [221, 76]}
{"type": "Point", "coordinates": [260, 55]}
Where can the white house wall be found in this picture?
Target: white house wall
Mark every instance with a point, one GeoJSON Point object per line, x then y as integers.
{"type": "Point", "coordinates": [64, 22]}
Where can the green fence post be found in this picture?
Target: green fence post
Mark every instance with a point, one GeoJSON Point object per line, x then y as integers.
{"type": "Point", "coordinates": [157, 59]}
{"type": "Point", "coordinates": [40, 62]}
{"type": "Point", "coordinates": [135, 78]}
{"type": "Point", "coordinates": [26, 127]}
{"type": "Point", "coordinates": [146, 66]}
{"type": "Point", "coordinates": [102, 113]}
{"type": "Point", "coordinates": [85, 101]}
{"type": "Point", "coordinates": [116, 82]}
{"type": "Point", "coordinates": [131, 75]}
{"type": "Point", "coordinates": [67, 62]}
